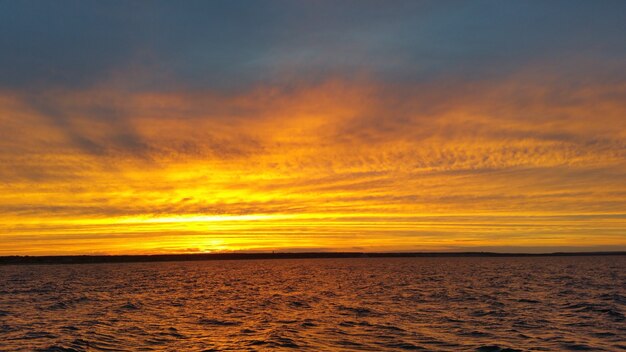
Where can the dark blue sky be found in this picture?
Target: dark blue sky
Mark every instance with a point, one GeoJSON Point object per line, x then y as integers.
{"type": "Point", "coordinates": [232, 44]}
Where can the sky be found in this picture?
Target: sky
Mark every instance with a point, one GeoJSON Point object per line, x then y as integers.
{"type": "Point", "coordinates": [212, 126]}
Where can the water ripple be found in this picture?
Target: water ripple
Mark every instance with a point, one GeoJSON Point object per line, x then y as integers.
{"type": "Point", "coordinates": [403, 304]}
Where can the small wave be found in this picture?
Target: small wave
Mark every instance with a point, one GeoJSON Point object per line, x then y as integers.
{"type": "Point", "coordinates": [390, 327]}
{"type": "Point", "coordinates": [38, 335]}
{"type": "Point", "coordinates": [405, 346]}
{"type": "Point", "coordinates": [359, 311]}
{"type": "Point", "coordinates": [59, 306]}
{"type": "Point", "coordinates": [615, 297]}
{"type": "Point", "coordinates": [257, 343]}
{"type": "Point", "coordinates": [485, 313]}
{"type": "Point", "coordinates": [603, 334]}
{"type": "Point", "coordinates": [476, 334]}
{"type": "Point", "coordinates": [157, 341]}
{"type": "Point", "coordinates": [131, 306]}
{"type": "Point", "coordinates": [6, 328]}
{"type": "Point", "coordinates": [178, 302]}
{"type": "Point", "coordinates": [576, 347]}
{"type": "Point", "coordinates": [617, 316]}
{"type": "Point", "coordinates": [535, 324]}
{"type": "Point", "coordinates": [347, 324]}
{"type": "Point", "coordinates": [100, 342]}
{"type": "Point", "coordinates": [284, 342]}
{"type": "Point", "coordinates": [134, 330]}
{"type": "Point", "coordinates": [525, 300]}
{"type": "Point", "coordinates": [172, 331]}
{"type": "Point", "coordinates": [299, 304]}
{"type": "Point", "coordinates": [57, 349]}
{"type": "Point", "coordinates": [348, 343]}
{"type": "Point", "coordinates": [596, 308]}
{"type": "Point", "coordinates": [496, 348]}
{"type": "Point", "coordinates": [217, 322]}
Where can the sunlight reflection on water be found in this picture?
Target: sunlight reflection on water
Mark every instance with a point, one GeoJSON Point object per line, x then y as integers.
{"type": "Point", "coordinates": [435, 304]}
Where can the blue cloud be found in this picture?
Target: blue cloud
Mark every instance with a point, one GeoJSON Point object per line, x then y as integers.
{"type": "Point", "coordinates": [230, 44]}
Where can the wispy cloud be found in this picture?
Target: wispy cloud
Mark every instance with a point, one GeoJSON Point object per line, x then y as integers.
{"type": "Point", "coordinates": [219, 126]}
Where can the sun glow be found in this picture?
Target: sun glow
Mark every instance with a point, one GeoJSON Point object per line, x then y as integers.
{"type": "Point", "coordinates": [318, 168]}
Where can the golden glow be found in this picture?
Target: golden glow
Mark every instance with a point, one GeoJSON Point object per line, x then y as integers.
{"type": "Point", "coordinates": [334, 167]}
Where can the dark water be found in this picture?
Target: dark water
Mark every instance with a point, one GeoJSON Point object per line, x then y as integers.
{"type": "Point", "coordinates": [434, 304]}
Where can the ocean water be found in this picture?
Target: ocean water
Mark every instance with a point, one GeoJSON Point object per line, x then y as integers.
{"type": "Point", "coordinates": [430, 304]}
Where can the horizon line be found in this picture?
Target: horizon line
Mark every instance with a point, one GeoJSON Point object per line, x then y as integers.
{"type": "Point", "coordinates": [178, 257]}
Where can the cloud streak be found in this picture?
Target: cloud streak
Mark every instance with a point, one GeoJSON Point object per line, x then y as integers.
{"type": "Point", "coordinates": [415, 127]}
{"type": "Point", "coordinates": [345, 159]}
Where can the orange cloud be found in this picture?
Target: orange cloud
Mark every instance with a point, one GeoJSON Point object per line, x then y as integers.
{"type": "Point", "coordinates": [339, 165]}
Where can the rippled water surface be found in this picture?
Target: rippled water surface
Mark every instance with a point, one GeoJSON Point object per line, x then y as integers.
{"type": "Point", "coordinates": [434, 304]}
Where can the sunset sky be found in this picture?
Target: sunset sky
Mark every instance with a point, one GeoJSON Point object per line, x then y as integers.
{"type": "Point", "coordinates": [199, 126]}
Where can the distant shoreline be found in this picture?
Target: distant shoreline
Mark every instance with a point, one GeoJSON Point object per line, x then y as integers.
{"type": "Point", "coordinates": [93, 259]}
